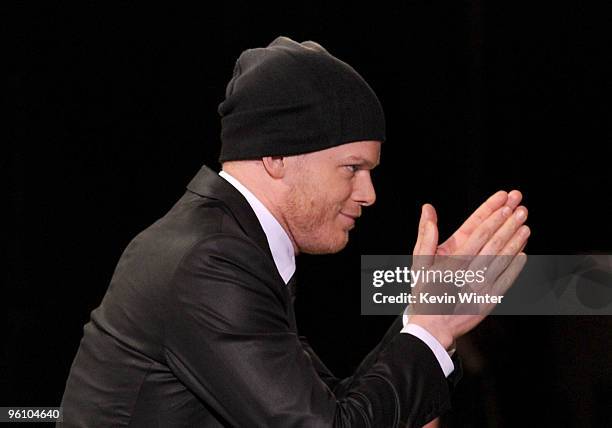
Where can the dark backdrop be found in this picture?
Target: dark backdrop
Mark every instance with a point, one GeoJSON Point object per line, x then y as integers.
{"type": "Point", "coordinates": [114, 110]}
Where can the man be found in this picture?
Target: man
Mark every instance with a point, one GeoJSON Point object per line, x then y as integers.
{"type": "Point", "coordinates": [197, 327]}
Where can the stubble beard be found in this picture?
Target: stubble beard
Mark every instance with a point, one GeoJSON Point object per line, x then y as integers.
{"type": "Point", "coordinates": [307, 216]}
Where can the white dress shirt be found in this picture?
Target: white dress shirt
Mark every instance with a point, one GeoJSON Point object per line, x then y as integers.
{"type": "Point", "coordinates": [278, 240]}
{"type": "Point", "coordinates": [284, 259]}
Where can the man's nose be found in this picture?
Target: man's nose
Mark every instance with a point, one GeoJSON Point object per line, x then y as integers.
{"type": "Point", "coordinates": [364, 193]}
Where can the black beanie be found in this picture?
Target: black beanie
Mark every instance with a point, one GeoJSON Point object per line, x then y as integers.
{"type": "Point", "coordinates": [291, 98]}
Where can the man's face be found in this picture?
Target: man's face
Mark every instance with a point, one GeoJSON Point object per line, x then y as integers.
{"type": "Point", "coordinates": [327, 191]}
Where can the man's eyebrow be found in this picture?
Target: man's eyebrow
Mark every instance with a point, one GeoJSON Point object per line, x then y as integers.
{"type": "Point", "coordinates": [361, 161]}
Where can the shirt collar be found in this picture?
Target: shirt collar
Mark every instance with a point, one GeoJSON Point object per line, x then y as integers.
{"type": "Point", "coordinates": [278, 240]}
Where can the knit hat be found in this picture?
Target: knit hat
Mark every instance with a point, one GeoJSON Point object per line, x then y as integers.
{"type": "Point", "coordinates": [291, 98]}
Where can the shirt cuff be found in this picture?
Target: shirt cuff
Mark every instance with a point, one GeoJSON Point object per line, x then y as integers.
{"type": "Point", "coordinates": [436, 347]}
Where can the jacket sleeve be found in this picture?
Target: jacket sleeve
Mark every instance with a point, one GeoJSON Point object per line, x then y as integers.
{"type": "Point", "coordinates": [229, 340]}
{"type": "Point", "coordinates": [324, 373]}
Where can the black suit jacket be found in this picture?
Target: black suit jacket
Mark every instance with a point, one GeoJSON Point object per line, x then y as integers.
{"type": "Point", "coordinates": [197, 328]}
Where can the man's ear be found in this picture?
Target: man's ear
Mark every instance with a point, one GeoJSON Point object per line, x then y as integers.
{"type": "Point", "coordinates": [276, 166]}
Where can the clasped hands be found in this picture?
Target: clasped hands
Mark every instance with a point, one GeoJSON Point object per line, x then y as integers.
{"type": "Point", "coordinates": [492, 240]}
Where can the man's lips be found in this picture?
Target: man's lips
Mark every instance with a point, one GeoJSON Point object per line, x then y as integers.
{"type": "Point", "coordinates": [351, 216]}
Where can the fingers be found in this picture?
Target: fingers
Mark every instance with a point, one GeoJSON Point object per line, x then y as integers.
{"type": "Point", "coordinates": [517, 242]}
{"type": "Point", "coordinates": [505, 232]}
{"type": "Point", "coordinates": [514, 198]}
{"type": "Point", "coordinates": [507, 278]}
{"type": "Point", "coordinates": [428, 213]}
{"type": "Point", "coordinates": [484, 232]}
{"type": "Point", "coordinates": [497, 283]}
{"type": "Point", "coordinates": [496, 201]}
{"type": "Point", "coordinates": [423, 254]}
{"type": "Point", "coordinates": [492, 204]}
{"type": "Point", "coordinates": [427, 241]}
{"type": "Point", "coordinates": [514, 246]}
{"type": "Point", "coordinates": [524, 244]}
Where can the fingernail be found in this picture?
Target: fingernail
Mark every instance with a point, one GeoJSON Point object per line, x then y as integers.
{"type": "Point", "coordinates": [520, 215]}
{"type": "Point", "coordinates": [506, 211]}
{"type": "Point", "coordinates": [525, 231]}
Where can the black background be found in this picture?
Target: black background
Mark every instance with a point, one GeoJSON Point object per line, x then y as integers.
{"type": "Point", "coordinates": [115, 110]}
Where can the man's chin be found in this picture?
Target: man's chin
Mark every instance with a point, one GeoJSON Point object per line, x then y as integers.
{"type": "Point", "coordinates": [328, 247]}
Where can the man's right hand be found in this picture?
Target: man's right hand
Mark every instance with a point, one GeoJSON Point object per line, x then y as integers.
{"type": "Point", "coordinates": [494, 229]}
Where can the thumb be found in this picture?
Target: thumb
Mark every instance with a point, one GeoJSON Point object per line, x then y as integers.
{"type": "Point", "coordinates": [427, 241]}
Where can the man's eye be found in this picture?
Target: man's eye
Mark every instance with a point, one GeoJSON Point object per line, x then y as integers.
{"type": "Point", "coordinates": [352, 168]}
